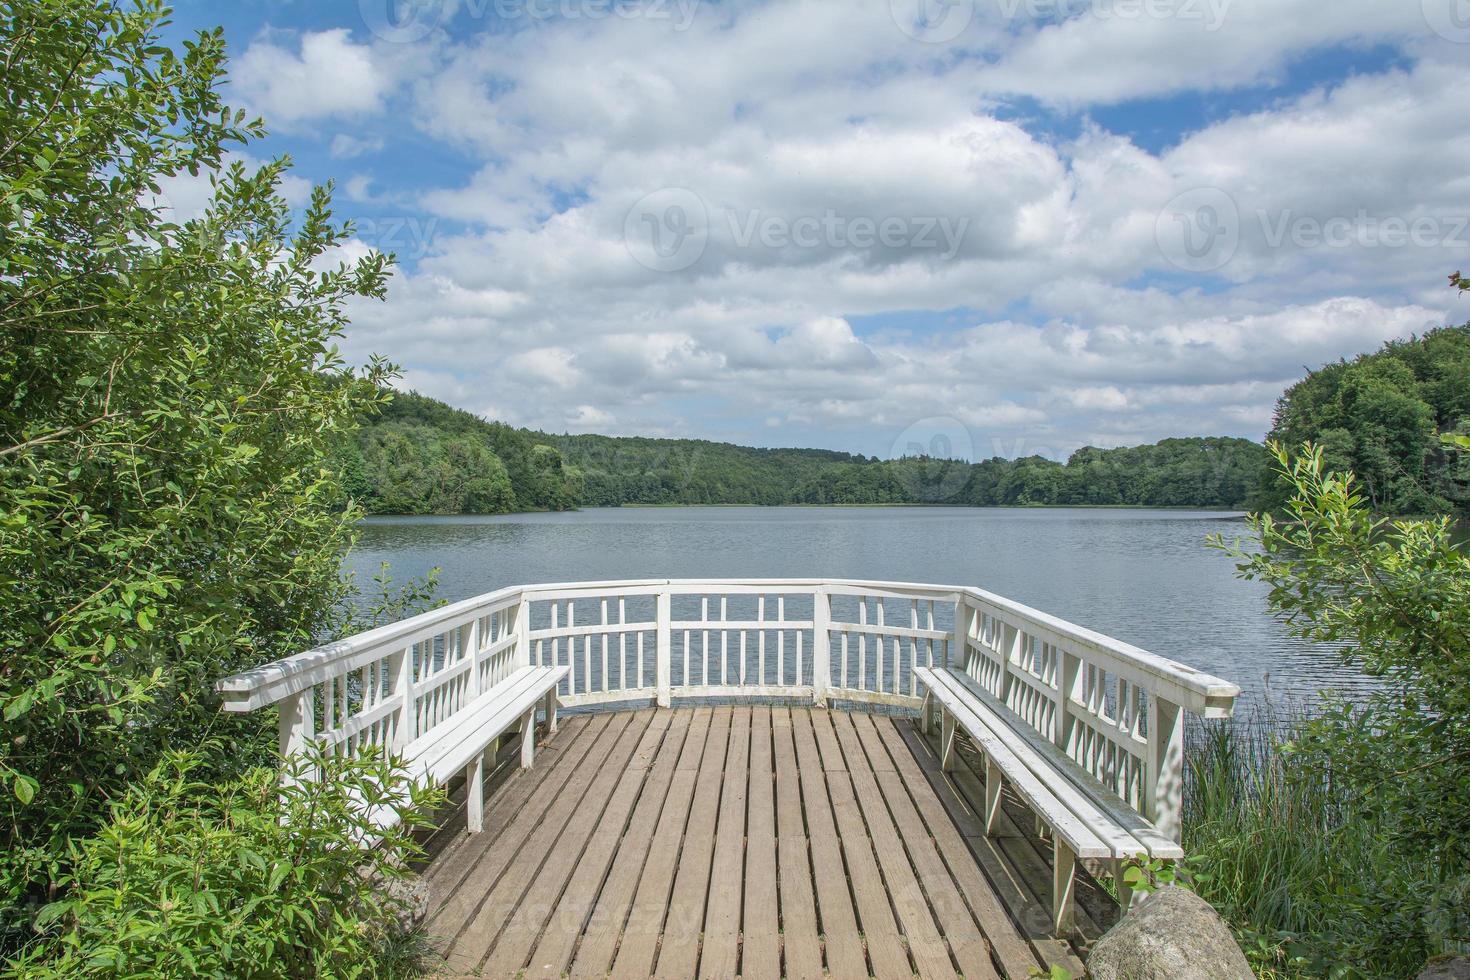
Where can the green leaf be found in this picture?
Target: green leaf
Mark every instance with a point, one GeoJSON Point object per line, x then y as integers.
{"type": "Point", "coordinates": [25, 789]}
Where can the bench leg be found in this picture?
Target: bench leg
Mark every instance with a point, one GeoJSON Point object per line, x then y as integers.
{"type": "Point", "coordinates": [549, 710]}
{"type": "Point", "coordinates": [528, 738]}
{"type": "Point", "coordinates": [946, 741]}
{"type": "Point", "coordinates": [1125, 893]}
{"type": "Point", "coordinates": [474, 793]}
{"type": "Point", "coordinates": [1063, 879]}
{"type": "Point", "coordinates": [993, 783]}
{"type": "Point", "coordinates": [926, 716]}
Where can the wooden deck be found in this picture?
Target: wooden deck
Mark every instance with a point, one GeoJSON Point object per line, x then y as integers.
{"type": "Point", "coordinates": [744, 841]}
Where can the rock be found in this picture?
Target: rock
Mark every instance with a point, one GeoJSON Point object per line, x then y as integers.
{"type": "Point", "coordinates": [1171, 935]}
{"type": "Point", "coordinates": [1447, 968]}
{"type": "Point", "coordinates": [409, 895]}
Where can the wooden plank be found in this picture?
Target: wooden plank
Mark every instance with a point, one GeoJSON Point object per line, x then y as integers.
{"type": "Point", "coordinates": [645, 922]}
{"type": "Point", "coordinates": [926, 945]}
{"type": "Point", "coordinates": [607, 803]}
{"type": "Point", "coordinates": [585, 793]}
{"type": "Point", "coordinates": [453, 849]}
{"type": "Point", "coordinates": [963, 930]}
{"type": "Point", "coordinates": [483, 866]}
{"type": "Point", "coordinates": [957, 790]}
{"type": "Point", "coordinates": [801, 947]}
{"type": "Point", "coordinates": [720, 956]}
{"type": "Point", "coordinates": [679, 951]}
{"type": "Point", "coordinates": [605, 926]}
{"type": "Point", "coordinates": [760, 951]}
{"type": "Point", "coordinates": [1012, 951]}
{"type": "Point", "coordinates": [875, 915]}
{"type": "Point", "coordinates": [553, 951]}
{"type": "Point", "coordinates": [844, 947]}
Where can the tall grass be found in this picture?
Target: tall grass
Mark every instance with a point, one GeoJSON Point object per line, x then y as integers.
{"type": "Point", "coordinates": [1309, 879]}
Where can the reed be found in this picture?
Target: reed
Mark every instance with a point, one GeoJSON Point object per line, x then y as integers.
{"type": "Point", "coordinates": [1309, 878]}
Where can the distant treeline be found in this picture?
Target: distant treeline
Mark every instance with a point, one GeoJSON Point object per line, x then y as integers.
{"type": "Point", "coordinates": [1381, 415]}
{"type": "Point", "coordinates": [1174, 473]}
{"type": "Point", "coordinates": [421, 456]}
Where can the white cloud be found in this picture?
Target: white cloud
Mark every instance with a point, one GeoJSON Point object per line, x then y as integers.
{"type": "Point", "coordinates": [330, 75]}
{"type": "Point", "coordinates": [1084, 332]}
{"type": "Point", "coordinates": [346, 146]}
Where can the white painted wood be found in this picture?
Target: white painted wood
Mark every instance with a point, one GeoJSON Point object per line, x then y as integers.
{"type": "Point", "coordinates": [1050, 679]}
{"type": "Point", "coordinates": [1164, 772]}
{"type": "Point", "coordinates": [663, 650]}
{"type": "Point", "coordinates": [475, 793]}
{"type": "Point", "coordinates": [528, 738]}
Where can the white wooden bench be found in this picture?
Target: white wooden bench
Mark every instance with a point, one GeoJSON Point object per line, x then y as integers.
{"type": "Point", "coordinates": [461, 743]}
{"type": "Point", "coordinates": [1084, 818]}
{"type": "Point", "coordinates": [435, 691]}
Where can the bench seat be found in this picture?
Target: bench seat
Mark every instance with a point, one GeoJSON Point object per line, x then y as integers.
{"type": "Point", "coordinates": [461, 742]}
{"type": "Point", "coordinates": [1086, 820]}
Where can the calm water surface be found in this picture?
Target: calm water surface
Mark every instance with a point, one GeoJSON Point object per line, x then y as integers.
{"type": "Point", "coordinates": [1144, 576]}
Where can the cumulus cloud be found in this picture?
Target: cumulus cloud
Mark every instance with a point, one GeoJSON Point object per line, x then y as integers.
{"type": "Point", "coordinates": [328, 74]}
{"type": "Point", "coordinates": [743, 230]}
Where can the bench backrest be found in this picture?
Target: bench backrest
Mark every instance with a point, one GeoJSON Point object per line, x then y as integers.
{"type": "Point", "coordinates": [1113, 708]}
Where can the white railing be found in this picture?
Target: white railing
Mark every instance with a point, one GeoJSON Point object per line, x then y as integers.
{"type": "Point", "coordinates": [1112, 707]}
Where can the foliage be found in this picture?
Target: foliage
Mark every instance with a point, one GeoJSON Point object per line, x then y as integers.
{"type": "Point", "coordinates": [1381, 416]}
{"type": "Point", "coordinates": [1345, 846]}
{"type": "Point", "coordinates": [248, 878]}
{"type": "Point", "coordinates": [170, 396]}
{"type": "Point", "coordinates": [422, 457]}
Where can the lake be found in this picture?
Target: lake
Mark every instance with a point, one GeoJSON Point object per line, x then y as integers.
{"type": "Point", "coordinates": [1144, 576]}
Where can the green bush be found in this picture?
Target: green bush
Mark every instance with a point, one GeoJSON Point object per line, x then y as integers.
{"type": "Point", "coordinates": [1341, 846]}
{"type": "Point", "coordinates": [249, 878]}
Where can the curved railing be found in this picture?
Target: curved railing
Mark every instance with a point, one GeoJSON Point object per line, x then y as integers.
{"type": "Point", "coordinates": [1114, 708]}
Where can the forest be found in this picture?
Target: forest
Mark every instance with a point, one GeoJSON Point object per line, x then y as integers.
{"type": "Point", "coordinates": [1382, 415]}
{"type": "Point", "coordinates": [420, 456]}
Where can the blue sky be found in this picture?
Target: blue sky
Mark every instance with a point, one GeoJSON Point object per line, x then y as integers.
{"type": "Point", "coordinates": [1025, 225]}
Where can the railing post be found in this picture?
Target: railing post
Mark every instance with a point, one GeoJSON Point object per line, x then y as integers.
{"type": "Point", "coordinates": [1069, 670]}
{"type": "Point", "coordinates": [296, 724]}
{"type": "Point", "coordinates": [522, 656]}
{"type": "Point", "coordinates": [1163, 789]}
{"type": "Point", "coordinates": [821, 644]}
{"type": "Point", "coordinates": [401, 664]}
{"type": "Point", "coordinates": [472, 651]}
{"type": "Point", "coordinates": [664, 648]}
{"type": "Point", "coordinates": [959, 635]}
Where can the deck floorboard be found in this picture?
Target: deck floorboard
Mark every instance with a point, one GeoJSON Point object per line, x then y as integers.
{"type": "Point", "coordinates": [735, 841]}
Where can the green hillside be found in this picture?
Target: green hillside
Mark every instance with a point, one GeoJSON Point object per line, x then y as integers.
{"type": "Point", "coordinates": [421, 456]}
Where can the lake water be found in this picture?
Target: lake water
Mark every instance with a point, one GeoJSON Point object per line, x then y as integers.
{"type": "Point", "coordinates": [1144, 576]}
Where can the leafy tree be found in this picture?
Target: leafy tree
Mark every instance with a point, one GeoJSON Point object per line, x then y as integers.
{"type": "Point", "coordinates": [1380, 415]}
{"type": "Point", "coordinates": [170, 396]}
{"type": "Point", "coordinates": [1393, 598]}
